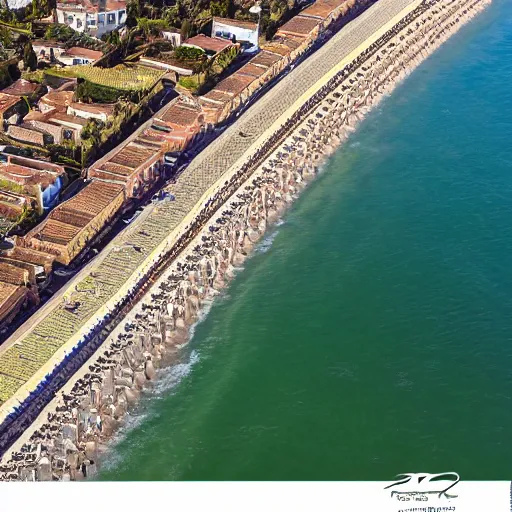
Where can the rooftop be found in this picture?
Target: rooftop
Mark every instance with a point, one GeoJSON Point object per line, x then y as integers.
{"type": "Point", "coordinates": [56, 232]}
{"type": "Point", "coordinates": [7, 101]}
{"type": "Point", "coordinates": [234, 84]}
{"type": "Point", "coordinates": [299, 25]}
{"type": "Point", "coordinates": [9, 296]}
{"type": "Point", "coordinates": [94, 108]}
{"type": "Point", "coordinates": [181, 114]}
{"type": "Point", "coordinates": [32, 256]}
{"type": "Point", "coordinates": [265, 58]}
{"type": "Point", "coordinates": [252, 69]}
{"type": "Point", "coordinates": [12, 274]}
{"type": "Point", "coordinates": [85, 53]}
{"type": "Point", "coordinates": [322, 8]}
{"type": "Point", "coordinates": [27, 134]}
{"type": "Point", "coordinates": [57, 99]}
{"type": "Point", "coordinates": [91, 6]}
{"type": "Point", "coordinates": [27, 171]}
{"type": "Point", "coordinates": [248, 25]}
{"type": "Point", "coordinates": [208, 44]}
{"type": "Point", "coordinates": [63, 118]}
{"type": "Point", "coordinates": [21, 88]}
{"type": "Point", "coordinates": [90, 201]}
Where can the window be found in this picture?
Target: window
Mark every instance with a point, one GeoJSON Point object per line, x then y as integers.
{"type": "Point", "coordinates": [67, 134]}
{"type": "Point", "coordinates": [69, 19]}
{"type": "Point", "coordinates": [101, 19]}
{"type": "Point", "coordinates": [121, 16]}
{"type": "Point", "coordinates": [111, 18]}
{"type": "Point", "coordinates": [78, 23]}
{"type": "Point", "coordinates": [91, 22]}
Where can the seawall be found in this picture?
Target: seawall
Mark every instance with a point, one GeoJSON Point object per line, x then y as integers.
{"type": "Point", "coordinates": [275, 168]}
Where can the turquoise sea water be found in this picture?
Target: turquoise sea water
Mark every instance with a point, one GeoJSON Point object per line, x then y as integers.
{"type": "Point", "coordinates": [371, 333]}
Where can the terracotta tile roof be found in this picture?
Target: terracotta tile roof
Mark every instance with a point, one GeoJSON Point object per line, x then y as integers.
{"type": "Point", "coordinates": [58, 98]}
{"type": "Point", "coordinates": [132, 156]}
{"type": "Point", "coordinates": [35, 115]}
{"type": "Point", "coordinates": [27, 171]}
{"type": "Point", "coordinates": [7, 101]}
{"type": "Point", "coordinates": [217, 96]}
{"type": "Point", "coordinates": [265, 58]}
{"type": "Point", "coordinates": [10, 292]}
{"type": "Point", "coordinates": [67, 220]}
{"type": "Point", "coordinates": [94, 108]}
{"type": "Point", "coordinates": [252, 70]}
{"type": "Point", "coordinates": [31, 256]}
{"type": "Point", "coordinates": [90, 201]}
{"type": "Point", "coordinates": [322, 8]}
{"type": "Point", "coordinates": [26, 134]}
{"type": "Point", "coordinates": [88, 6]}
{"type": "Point", "coordinates": [181, 114]}
{"type": "Point", "coordinates": [212, 44]}
{"type": "Point", "coordinates": [278, 48]}
{"type": "Point", "coordinates": [21, 88]}
{"type": "Point", "coordinates": [56, 232]}
{"type": "Point", "coordinates": [61, 117]}
{"type": "Point", "coordinates": [12, 274]}
{"type": "Point", "coordinates": [234, 84]}
{"type": "Point", "coordinates": [299, 25]}
{"type": "Point", "coordinates": [85, 53]}
{"type": "Point", "coordinates": [248, 25]}
{"type": "Point", "coordinates": [9, 207]}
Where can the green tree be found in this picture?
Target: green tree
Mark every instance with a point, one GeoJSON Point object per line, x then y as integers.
{"type": "Point", "coordinates": [186, 29]}
{"type": "Point", "coordinates": [29, 57]}
{"type": "Point", "coordinates": [113, 38]}
{"type": "Point", "coordinates": [134, 10]}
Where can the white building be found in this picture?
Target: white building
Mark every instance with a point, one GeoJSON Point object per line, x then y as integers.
{"type": "Point", "coordinates": [237, 31]}
{"type": "Point", "coordinates": [95, 17]}
{"type": "Point", "coordinates": [76, 55]}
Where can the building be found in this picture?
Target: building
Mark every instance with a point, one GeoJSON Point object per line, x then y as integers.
{"type": "Point", "coordinates": [76, 55]}
{"type": "Point", "coordinates": [178, 125]}
{"type": "Point", "coordinates": [70, 227]}
{"type": "Point", "coordinates": [301, 27]}
{"type": "Point", "coordinates": [99, 111]}
{"type": "Point", "coordinates": [210, 45]}
{"type": "Point", "coordinates": [36, 179]}
{"type": "Point", "coordinates": [13, 299]}
{"type": "Point", "coordinates": [174, 37]}
{"type": "Point", "coordinates": [24, 88]}
{"type": "Point", "coordinates": [135, 166]}
{"type": "Point", "coordinates": [56, 100]}
{"type": "Point", "coordinates": [95, 17]}
{"type": "Point", "coordinates": [29, 135]}
{"type": "Point", "coordinates": [244, 32]}
{"type": "Point", "coordinates": [13, 204]}
{"type": "Point", "coordinates": [12, 108]}
{"type": "Point", "coordinates": [38, 264]}
{"type": "Point", "coordinates": [168, 62]}
{"type": "Point", "coordinates": [48, 51]}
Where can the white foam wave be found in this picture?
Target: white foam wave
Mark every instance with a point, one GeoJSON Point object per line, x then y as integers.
{"type": "Point", "coordinates": [267, 242]}
{"type": "Point", "coordinates": [169, 378]}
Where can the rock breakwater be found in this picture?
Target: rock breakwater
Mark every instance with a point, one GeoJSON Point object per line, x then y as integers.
{"type": "Point", "coordinates": [65, 442]}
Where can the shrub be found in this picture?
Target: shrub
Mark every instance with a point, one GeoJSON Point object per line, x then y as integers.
{"type": "Point", "coordinates": [188, 53]}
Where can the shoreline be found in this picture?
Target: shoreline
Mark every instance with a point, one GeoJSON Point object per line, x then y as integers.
{"type": "Point", "coordinates": [90, 406]}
